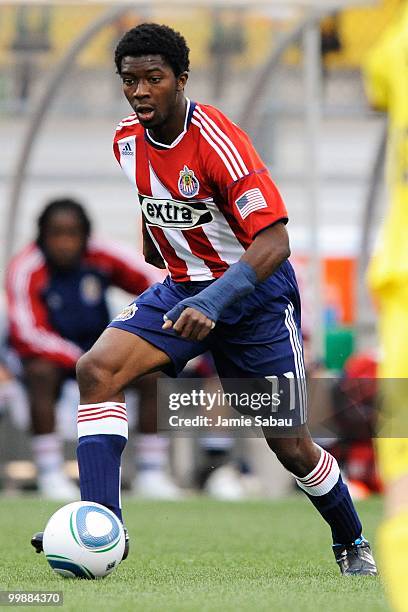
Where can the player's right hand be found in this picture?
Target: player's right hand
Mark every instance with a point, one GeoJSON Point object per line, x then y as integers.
{"type": "Point", "coordinates": [188, 322]}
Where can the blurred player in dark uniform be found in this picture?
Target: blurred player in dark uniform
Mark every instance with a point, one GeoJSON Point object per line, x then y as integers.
{"type": "Point", "coordinates": [212, 212]}
{"type": "Point", "coordinates": [57, 306]}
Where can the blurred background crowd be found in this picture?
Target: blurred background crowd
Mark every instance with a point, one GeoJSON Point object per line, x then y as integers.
{"type": "Point", "coordinates": [289, 73]}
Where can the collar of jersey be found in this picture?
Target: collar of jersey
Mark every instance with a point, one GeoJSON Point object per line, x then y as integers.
{"type": "Point", "coordinates": [159, 145]}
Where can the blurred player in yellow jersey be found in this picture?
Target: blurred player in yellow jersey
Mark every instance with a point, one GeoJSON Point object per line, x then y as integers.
{"type": "Point", "coordinates": [386, 72]}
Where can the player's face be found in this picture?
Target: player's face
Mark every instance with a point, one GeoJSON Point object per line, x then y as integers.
{"type": "Point", "coordinates": [151, 88]}
{"type": "Point", "coordinates": [64, 239]}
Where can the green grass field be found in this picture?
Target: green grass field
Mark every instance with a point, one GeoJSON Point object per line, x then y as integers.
{"type": "Point", "coordinates": [201, 555]}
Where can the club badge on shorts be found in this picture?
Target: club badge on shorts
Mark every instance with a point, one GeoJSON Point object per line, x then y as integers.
{"type": "Point", "coordinates": [188, 183]}
{"type": "Point", "coordinates": [127, 313]}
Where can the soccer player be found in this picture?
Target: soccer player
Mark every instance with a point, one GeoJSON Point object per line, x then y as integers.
{"type": "Point", "coordinates": [386, 72]}
{"type": "Point", "coordinates": [56, 289]}
{"type": "Point", "coordinates": [212, 212]}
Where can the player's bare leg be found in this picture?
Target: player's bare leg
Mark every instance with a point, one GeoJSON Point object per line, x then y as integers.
{"type": "Point", "coordinates": [299, 455]}
{"type": "Point", "coordinates": [318, 475]}
{"type": "Point", "coordinates": [43, 382]}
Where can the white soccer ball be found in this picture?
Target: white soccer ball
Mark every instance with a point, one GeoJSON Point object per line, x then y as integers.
{"type": "Point", "coordinates": [84, 540]}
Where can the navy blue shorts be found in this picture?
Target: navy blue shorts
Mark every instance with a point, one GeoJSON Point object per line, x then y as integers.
{"type": "Point", "coordinates": [256, 337]}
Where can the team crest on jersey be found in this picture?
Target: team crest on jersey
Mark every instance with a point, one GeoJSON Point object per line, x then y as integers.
{"type": "Point", "coordinates": [127, 313]}
{"type": "Point", "coordinates": [91, 290]}
{"type": "Point", "coordinates": [188, 183]}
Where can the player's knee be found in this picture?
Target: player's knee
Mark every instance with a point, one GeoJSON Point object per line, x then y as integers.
{"type": "Point", "coordinates": [91, 372]}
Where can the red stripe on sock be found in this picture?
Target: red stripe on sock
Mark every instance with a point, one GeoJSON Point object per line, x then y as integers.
{"type": "Point", "coordinates": [311, 479]}
{"type": "Point", "coordinates": [95, 409]}
{"type": "Point", "coordinates": [102, 411]}
{"type": "Point", "coordinates": [107, 416]}
{"type": "Point", "coordinates": [103, 416]}
{"type": "Point", "coordinates": [324, 476]}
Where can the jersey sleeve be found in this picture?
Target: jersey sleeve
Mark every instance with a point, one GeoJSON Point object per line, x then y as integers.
{"type": "Point", "coordinates": [238, 173]}
{"type": "Point", "coordinates": [125, 137]}
{"type": "Point", "coordinates": [30, 332]}
{"type": "Point", "coordinates": [116, 150]}
{"type": "Point", "coordinates": [256, 202]}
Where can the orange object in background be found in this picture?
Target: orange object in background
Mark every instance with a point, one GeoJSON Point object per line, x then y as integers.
{"type": "Point", "coordinates": [339, 288]}
{"type": "Point", "coordinates": [339, 283]}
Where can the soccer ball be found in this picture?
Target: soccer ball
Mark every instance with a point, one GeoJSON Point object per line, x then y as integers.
{"type": "Point", "coordinates": [84, 540]}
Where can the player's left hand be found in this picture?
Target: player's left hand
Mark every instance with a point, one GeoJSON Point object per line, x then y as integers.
{"type": "Point", "coordinates": [190, 324]}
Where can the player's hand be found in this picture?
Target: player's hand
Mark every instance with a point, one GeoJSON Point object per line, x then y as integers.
{"type": "Point", "coordinates": [191, 324]}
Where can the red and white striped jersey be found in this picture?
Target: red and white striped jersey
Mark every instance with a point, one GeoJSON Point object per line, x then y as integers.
{"type": "Point", "coordinates": [205, 196]}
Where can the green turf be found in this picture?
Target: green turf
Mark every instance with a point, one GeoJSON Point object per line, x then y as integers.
{"type": "Point", "coordinates": [201, 555]}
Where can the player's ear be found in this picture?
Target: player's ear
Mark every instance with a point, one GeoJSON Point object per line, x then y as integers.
{"type": "Point", "coordinates": [182, 80]}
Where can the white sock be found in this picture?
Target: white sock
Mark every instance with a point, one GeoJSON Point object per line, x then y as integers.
{"type": "Point", "coordinates": [323, 477]}
{"type": "Point", "coordinates": [47, 453]}
{"type": "Point", "coordinates": [151, 452]}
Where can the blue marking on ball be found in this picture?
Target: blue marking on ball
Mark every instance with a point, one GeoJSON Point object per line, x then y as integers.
{"type": "Point", "coordinates": [89, 540]}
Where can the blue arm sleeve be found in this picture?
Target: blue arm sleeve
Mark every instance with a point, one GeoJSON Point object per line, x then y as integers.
{"type": "Point", "coordinates": [239, 280]}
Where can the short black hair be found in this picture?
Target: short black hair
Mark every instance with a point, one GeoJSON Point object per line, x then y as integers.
{"type": "Point", "coordinates": [154, 39]}
{"type": "Point", "coordinates": [56, 206]}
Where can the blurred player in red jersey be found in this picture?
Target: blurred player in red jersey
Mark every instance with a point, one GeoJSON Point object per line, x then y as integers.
{"type": "Point", "coordinates": [212, 213]}
{"type": "Point", "coordinates": [56, 290]}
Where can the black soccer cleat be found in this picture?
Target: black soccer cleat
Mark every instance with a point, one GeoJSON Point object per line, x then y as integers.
{"type": "Point", "coordinates": [37, 542]}
{"type": "Point", "coordinates": [127, 539]}
{"type": "Point", "coordinates": [355, 559]}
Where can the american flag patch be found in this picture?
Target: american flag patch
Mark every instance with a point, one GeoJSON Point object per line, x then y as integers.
{"type": "Point", "coordinates": [249, 201]}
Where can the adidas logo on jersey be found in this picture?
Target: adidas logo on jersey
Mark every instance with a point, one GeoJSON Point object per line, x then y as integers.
{"type": "Point", "coordinates": [126, 149]}
{"type": "Point", "coordinates": [174, 214]}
